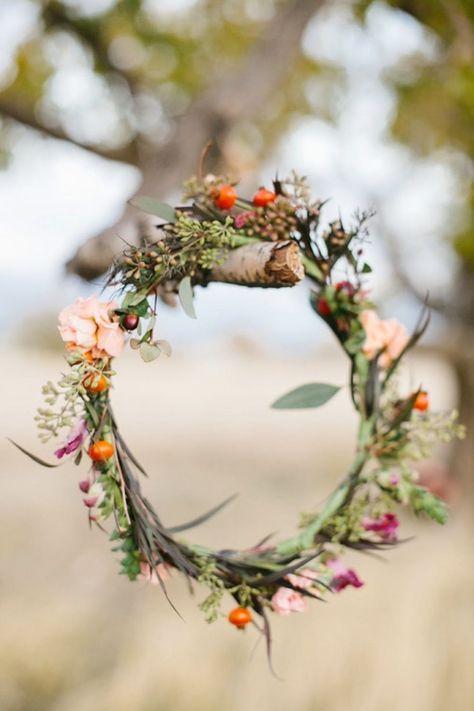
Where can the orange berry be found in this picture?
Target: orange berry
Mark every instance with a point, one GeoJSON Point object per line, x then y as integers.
{"type": "Point", "coordinates": [263, 197]}
{"type": "Point", "coordinates": [95, 383]}
{"type": "Point", "coordinates": [226, 197]}
{"type": "Point", "coordinates": [240, 616]}
{"type": "Point", "coordinates": [422, 402]}
{"type": "Point", "coordinates": [101, 450]}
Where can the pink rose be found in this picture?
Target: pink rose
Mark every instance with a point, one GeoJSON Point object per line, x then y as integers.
{"type": "Point", "coordinates": [390, 337]}
{"type": "Point", "coordinates": [161, 571]}
{"type": "Point", "coordinates": [386, 526]}
{"type": "Point", "coordinates": [304, 580]}
{"type": "Point", "coordinates": [342, 576]}
{"type": "Point", "coordinates": [286, 600]}
{"type": "Point", "coordinates": [86, 324]}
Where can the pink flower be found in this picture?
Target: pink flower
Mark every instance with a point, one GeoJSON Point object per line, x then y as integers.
{"type": "Point", "coordinates": [95, 495]}
{"type": "Point", "coordinates": [304, 580]}
{"type": "Point", "coordinates": [86, 324]}
{"type": "Point", "coordinates": [241, 219]}
{"type": "Point", "coordinates": [286, 600]}
{"type": "Point", "coordinates": [151, 575]}
{"type": "Point", "coordinates": [388, 336]}
{"type": "Point", "coordinates": [386, 526]}
{"type": "Point", "coordinates": [394, 479]}
{"type": "Point", "coordinates": [75, 438]}
{"type": "Point", "coordinates": [342, 576]}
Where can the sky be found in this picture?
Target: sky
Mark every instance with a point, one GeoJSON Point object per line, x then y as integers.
{"type": "Point", "coordinates": [54, 195]}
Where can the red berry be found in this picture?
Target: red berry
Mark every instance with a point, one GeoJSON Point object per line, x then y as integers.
{"type": "Point", "coordinates": [240, 616]}
{"type": "Point", "coordinates": [130, 322]}
{"type": "Point", "coordinates": [422, 402]}
{"type": "Point", "coordinates": [226, 197]}
{"type": "Point", "coordinates": [323, 307]}
{"type": "Point", "coordinates": [263, 197]}
{"type": "Point", "coordinates": [347, 287]}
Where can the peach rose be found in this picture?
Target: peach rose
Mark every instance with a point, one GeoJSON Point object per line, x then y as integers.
{"type": "Point", "coordinates": [389, 336]}
{"type": "Point", "coordinates": [286, 600]}
{"type": "Point", "coordinates": [86, 324]}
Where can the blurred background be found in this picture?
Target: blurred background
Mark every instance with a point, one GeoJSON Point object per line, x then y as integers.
{"type": "Point", "coordinates": [101, 99]}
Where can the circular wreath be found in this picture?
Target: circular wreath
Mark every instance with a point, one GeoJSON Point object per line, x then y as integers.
{"type": "Point", "coordinates": [273, 240]}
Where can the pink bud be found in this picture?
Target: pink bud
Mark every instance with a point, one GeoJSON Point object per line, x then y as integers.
{"type": "Point", "coordinates": [84, 485]}
{"type": "Point", "coordinates": [90, 502]}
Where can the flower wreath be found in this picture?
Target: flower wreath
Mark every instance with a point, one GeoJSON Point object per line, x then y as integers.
{"type": "Point", "coordinates": [274, 240]}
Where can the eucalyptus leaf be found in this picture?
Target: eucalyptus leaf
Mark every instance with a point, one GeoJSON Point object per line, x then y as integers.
{"type": "Point", "coordinates": [149, 351]}
{"type": "Point", "coordinates": [306, 396]}
{"type": "Point", "coordinates": [165, 346]}
{"type": "Point", "coordinates": [154, 207]}
{"type": "Point", "coordinates": [185, 293]}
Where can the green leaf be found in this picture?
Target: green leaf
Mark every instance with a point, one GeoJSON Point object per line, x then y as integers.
{"type": "Point", "coordinates": [135, 343]}
{"type": "Point", "coordinates": [149, 352]}
{"type": "Point", "coordinates": [366, 269]}
{"type": "Point", "coordinates": [137, 298]}
{"type": "Point", "coordinates": [33, 456]}
{"type": "Point", "coordinates": [141, 309]}
{"type": "Point", "coordinates": [92, 413]}
{"type": "Point", "coordinates": [185, 293]}
{"type": "Point", "coordinates": [154, 207]}
{"type": "Point", "coordinates": [306, 396]}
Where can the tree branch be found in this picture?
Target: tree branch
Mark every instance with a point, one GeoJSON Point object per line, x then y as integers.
{"type": "Point", "coordinates": [22, 113]}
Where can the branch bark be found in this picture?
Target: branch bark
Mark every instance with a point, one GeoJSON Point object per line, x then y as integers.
{"type": "Point", "coordinates": [274, 264]}
{"type": "Point", "coordinates": [210, 117]}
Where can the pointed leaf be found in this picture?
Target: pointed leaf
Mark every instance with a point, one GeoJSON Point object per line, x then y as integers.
{"type": "Point", "coordinates": [306, 396]}
{"type": "Point", "coordinates": [185, 292]}
{"type": "Point", "coordinates": [33, 456]}
{"type": "Point", "coordinates": [154, 207]}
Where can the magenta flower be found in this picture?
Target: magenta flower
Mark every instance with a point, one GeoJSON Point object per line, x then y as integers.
{"type": "Point", "coordinates": [386, 526]}
{"type": "Point", "coordinates": [75, 438]}
{"type": "Point", "coordinates": [286, 600]}
{"type": "Point", "coordinates": [242, 219]}
{"type": "Point", "coordinates": [342, 576]}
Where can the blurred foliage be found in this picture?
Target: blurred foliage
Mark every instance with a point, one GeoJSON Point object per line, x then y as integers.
{"type": "Point", "coordinates": [149, 64]}
{"type": "Point", "coordinates": [436, 99]}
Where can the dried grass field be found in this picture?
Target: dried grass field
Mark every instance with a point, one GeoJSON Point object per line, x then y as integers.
{"type": "Point", "coordinates": [76, 637]}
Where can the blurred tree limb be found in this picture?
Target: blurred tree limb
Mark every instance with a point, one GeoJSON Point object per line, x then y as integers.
{"type": "Point", "coordinates": [235, 96]}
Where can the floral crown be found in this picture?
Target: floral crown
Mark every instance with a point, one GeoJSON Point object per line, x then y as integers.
{"type": "Point", "coordinates": [274, 240]}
